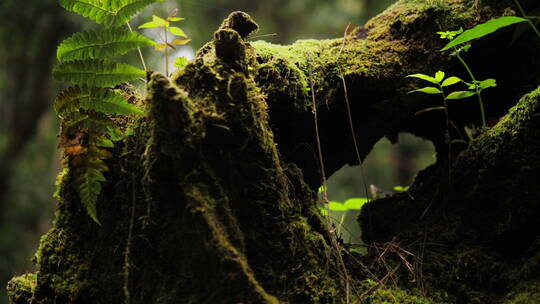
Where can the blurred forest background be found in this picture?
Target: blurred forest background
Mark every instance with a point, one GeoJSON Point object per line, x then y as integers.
{"type": "Point", "coordinates": [30, 161]}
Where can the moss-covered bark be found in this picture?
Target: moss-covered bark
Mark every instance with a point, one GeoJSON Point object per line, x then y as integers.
{"type": "Point", "coordinates": [475, 239]}
{"type": "Point", "coordinates": [211, 198]}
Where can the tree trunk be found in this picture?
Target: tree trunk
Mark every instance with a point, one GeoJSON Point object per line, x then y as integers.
{"type": "Point", "coordinates": [212, 198]}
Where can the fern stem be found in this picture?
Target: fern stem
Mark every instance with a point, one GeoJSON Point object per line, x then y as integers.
{"type": "Point", "coordinates": [138, 49]}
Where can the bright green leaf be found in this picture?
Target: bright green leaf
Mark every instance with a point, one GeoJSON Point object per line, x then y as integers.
{"type": "Point", "coordinates": [439, 76]}
{"type": "Point", "coordinates": [428, 90]}
{"type": "Point", "coordinates": [336, 206]}
{"type": "Point", "coordinates": [465, 48]}
{"type": "Point", "coordinates": [355, 203]}
{"type": "Point", "coordinates": [451, 80]}
{"type": "Point", "coordinates": [176, 31]}
{"type": "Point", "coordinates": [156, 22]}
{"type": "Point", "coordinates": [483, 29]}
{"type": "Point", "coordinates": [424, 77]}
{"type": "Point", "coordinates": [180, 62]}
{"type": "Point", "coordinates": [174, 19]}
{"type": "Point", "coordinates": [162, 22]}
{"type": "Point", "coordinates": [450, 34]}
{"type": "Point", "coordinates": [149, 24]}
{"type": "Point", "coordinates": [460, 94]}
{"type": "Point", "coordinates": [488, 83]}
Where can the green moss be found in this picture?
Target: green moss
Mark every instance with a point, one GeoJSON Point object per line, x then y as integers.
{"type": "Point", "coordinates": [486, 245]}
{"type": "Point", "coordinates": [385, 294]}
{"type": "Point", "coordinates": [200, 194]}
{"type": "Point", "coordinates": [524, 293]}
{"type": "Point", "coordinates": [21, 289]}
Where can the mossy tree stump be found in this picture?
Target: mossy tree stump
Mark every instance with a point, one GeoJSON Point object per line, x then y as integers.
{"type": "Point", "coordinates": [212, 199]}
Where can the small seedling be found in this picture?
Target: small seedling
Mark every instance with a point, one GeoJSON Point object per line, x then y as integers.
{"type": "Point", "coordinates": [440, 84]}
{"type": "Point", "coordinates": [165, 25]}
{"type": "Point", "coordinates": [464, 37]}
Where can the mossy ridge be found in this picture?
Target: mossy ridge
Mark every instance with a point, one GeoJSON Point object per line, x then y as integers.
{"type": "Point", "coordinates": [373, 60]}
{"type": "Point", "coordinates": [300, 227]}
{"type": "Point", "coordinates": [239, 113]}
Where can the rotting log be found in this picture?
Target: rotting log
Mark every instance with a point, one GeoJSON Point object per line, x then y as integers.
{"type": "Point", "coordinates": [211, 198]}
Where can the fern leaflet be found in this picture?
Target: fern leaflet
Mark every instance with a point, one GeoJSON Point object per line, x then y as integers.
{"type": "Point", "coordinates": [95, 72]}
{"type": "Point", "coordinates": [92, 98]}
{"type": "Point", "coordinates": [106, 44]}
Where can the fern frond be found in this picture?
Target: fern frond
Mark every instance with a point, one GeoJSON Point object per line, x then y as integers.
{"type": "Point", "coordinates": [99, 73]}
{"type": "Point", "coordinates": [105, 44]}
{"type": "Point", "coordinates": [95, 99]}
{"type": "Point", "coordinates": [112, 13]}
{"type": "Point", "coordinates": [89, 188]}
{"type": "Point", "coordinates": [125, 9]}
{"type": "Point", "coordinates": [90, 176]}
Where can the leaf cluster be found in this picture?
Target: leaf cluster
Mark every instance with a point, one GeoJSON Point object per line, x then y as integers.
{"type": "Point", "coordinates": [165, 24]}
{"type": "Point", "coordinates": [442, 82]}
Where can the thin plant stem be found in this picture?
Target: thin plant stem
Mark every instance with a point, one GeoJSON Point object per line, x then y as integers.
{"type": "Point", "coordinates": [341, 220]}
{"type": "Point", "coordinates": [476, 88]}
{"type": "Point", "coordinates": [127, 252]}
{"type": "Point", "coordinates": [531, 24]}
{"type": "Point", "coordinates": [349, 115]}
{"type": "Point", "coordinates": [138, 49]}
{"type": "Point", "coordinates": [166, 52]}
{"type": "Point", "coordinates": [447, 133]}
{"type": "Point", "coordinates": [333, 238]}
